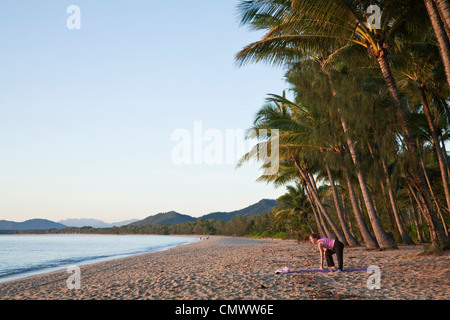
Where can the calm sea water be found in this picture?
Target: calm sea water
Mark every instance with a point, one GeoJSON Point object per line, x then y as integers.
{"type": "Point", "coordinates": [25, 255]}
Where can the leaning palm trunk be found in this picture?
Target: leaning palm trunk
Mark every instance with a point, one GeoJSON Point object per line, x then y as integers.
{"type": "Point", "coordinates": [444, 151]}
{"type": "Point", "coordinates": [415, 215]}
{"type": "Point", "coordinates": [437, 241]}
{"type": "Point", "coordinates": [440, 239]}
{"type": "Point", "coordinates": [319, 203]}
{"type": "Point", "coordinates": [433, 196]}
{"type": "Point", "coordinates": [348, 236]}
{"type": "Point", "coordinates": [420, 209]}
{"type": "Point", "coordinates": [370, 242]}
{"type": "Point", "coordinates": [322, 231]}
{"type": "Point", "coordinates": [444, 12]}
{"type": "Point", "coordinates": [347, 216]}
{"type": "Point", "coordinates": [441, 35]}
{"type": "Point", "coordinates": [437, 146]}
{"type": "Point", "coordinates": [383, 239]}
{"type": "Point", "coordinates": [324, 211]}
{"type": "Point", "coordinates": [308, 223]}
{"type": "Point", "coordinates": [401, 229]}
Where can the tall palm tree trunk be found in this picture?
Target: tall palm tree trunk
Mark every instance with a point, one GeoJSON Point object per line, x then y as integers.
{"type": "Point", "coordinates": [444, 151]}
{"type": "Point", "coordinates": [420, 209]}
{"type": "Point", "coordinates": [437, 146]}
{"type": "Point", "coordinates": [370, 242]}
{"type": "Point", "coordinates": [308, 223]}
{"type": "Point", "coordinates": [441, 241]}
{"type": "Point", "coordinates": [347, 217]}
{"type": "Point", "coordinates": [383, 239]}
{"type": "Point", "coordinates": [414, 215]}
{"type": "Point", "coordinates": [317, 218]}
{"type": "Point", "coordinates": [434, 197]}
{"type": "Point", "coordinates": [348, 236]}
{"type": "Point", "coordinates": [325, 213]}
{"type": "Point", "coordinates": [321, 223]}
{"type": "Point", "coordinates": [441, 35]}
{"type": "Point", "coordinates": [321, 212]}
{"type": "Point", "coordinates": [319, 203]}
{"type": "Point", "coordinates": [401, 229]}
{"type": "Point", "coordinates": [444, 11]}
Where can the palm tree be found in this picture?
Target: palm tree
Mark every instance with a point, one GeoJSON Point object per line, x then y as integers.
{"type": "Point", "coordinates": [387, 185]}
{"type": "Point", "coordinates": [274, 111]}
{"type": "Point", "coordinates": [441, 29]}
{"type": "Point", "coordinates": [421, 70]}
{"type": "Point", "coordinates": [294, 205]}
{"type": "Point", "coordinates": [444, 12]}
{"type": "Point", "coordinates": [294, 140]}
{"type": "Point", "coordinates": [370, 242]}
{"type": "Point", "coordinates": [348, 236]}
{"type": "Point", "coordinates": [300, 29]}
{"type": "Point", "coordinates": [309, 83]}
{"type": "Point", "coordinates": [335, 81]}
{"type": "Point", "coordinates": [296, 137]}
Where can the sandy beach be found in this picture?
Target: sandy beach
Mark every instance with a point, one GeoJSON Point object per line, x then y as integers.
{"type": "Point", "coordinates": [239, 268]}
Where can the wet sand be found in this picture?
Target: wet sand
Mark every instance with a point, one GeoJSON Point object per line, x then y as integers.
{"type": "Point", "coordinates": [239, 268]}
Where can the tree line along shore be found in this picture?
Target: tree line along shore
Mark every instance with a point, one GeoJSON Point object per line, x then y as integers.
{"type": "Point", "coordinates": [362, 126]}
{"type": "Point", "coordinates": [264, 224]}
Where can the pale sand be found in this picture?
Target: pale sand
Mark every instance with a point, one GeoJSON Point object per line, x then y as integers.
{"type": "Point", "coordinates": [238, 268]}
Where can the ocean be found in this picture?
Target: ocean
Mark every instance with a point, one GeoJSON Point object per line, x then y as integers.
{"type": "Point", "coordinates": [26, 255]}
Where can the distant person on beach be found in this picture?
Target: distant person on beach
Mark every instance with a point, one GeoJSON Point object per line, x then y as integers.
{"type": "Point", "coordinates": [328, 247]}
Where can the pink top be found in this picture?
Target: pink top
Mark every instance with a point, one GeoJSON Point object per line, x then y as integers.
{"type": "Point", "coordinates": [327, 243]}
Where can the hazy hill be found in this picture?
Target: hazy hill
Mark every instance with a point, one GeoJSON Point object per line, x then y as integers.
{"type": "Point", "coordinates": [171, 218]}
{"type": "Point", "coordinates": [33, 224]}
{"type": "Point", "coordinates": [261, 206]}
{"type": "Point", "coordinates": [95, 223]}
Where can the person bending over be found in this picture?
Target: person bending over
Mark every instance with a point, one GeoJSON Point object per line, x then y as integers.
{"type": "Point", "coordinates": [328, 247]}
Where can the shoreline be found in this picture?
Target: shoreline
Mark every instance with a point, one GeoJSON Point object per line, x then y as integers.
{"type": "Point", "coordinates": [61, 267]}
{"type": "Point", "coordinates": [228, 268]}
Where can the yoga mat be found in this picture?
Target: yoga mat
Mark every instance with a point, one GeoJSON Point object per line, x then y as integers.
{"type": "Point", "coordinates": [287, 270]}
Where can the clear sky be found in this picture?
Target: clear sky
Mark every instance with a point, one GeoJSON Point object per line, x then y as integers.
{"type": "Point", "coordinates": [88, 116]}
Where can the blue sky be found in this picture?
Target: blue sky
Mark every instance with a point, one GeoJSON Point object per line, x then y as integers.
{"type": "Point", "coordinates": [86, 116]}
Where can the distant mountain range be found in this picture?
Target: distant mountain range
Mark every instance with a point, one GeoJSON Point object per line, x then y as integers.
{"type": "Point", "coordinates": [95, 223]}
{"type": "Point", "coordinates": [33, 224]}
{"type": "Point", "coordinates": [170, 218]}
{"type": "Point", "coordinates": [261, 206]}
{"type": "Point", "coordinates": [173, 218]}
